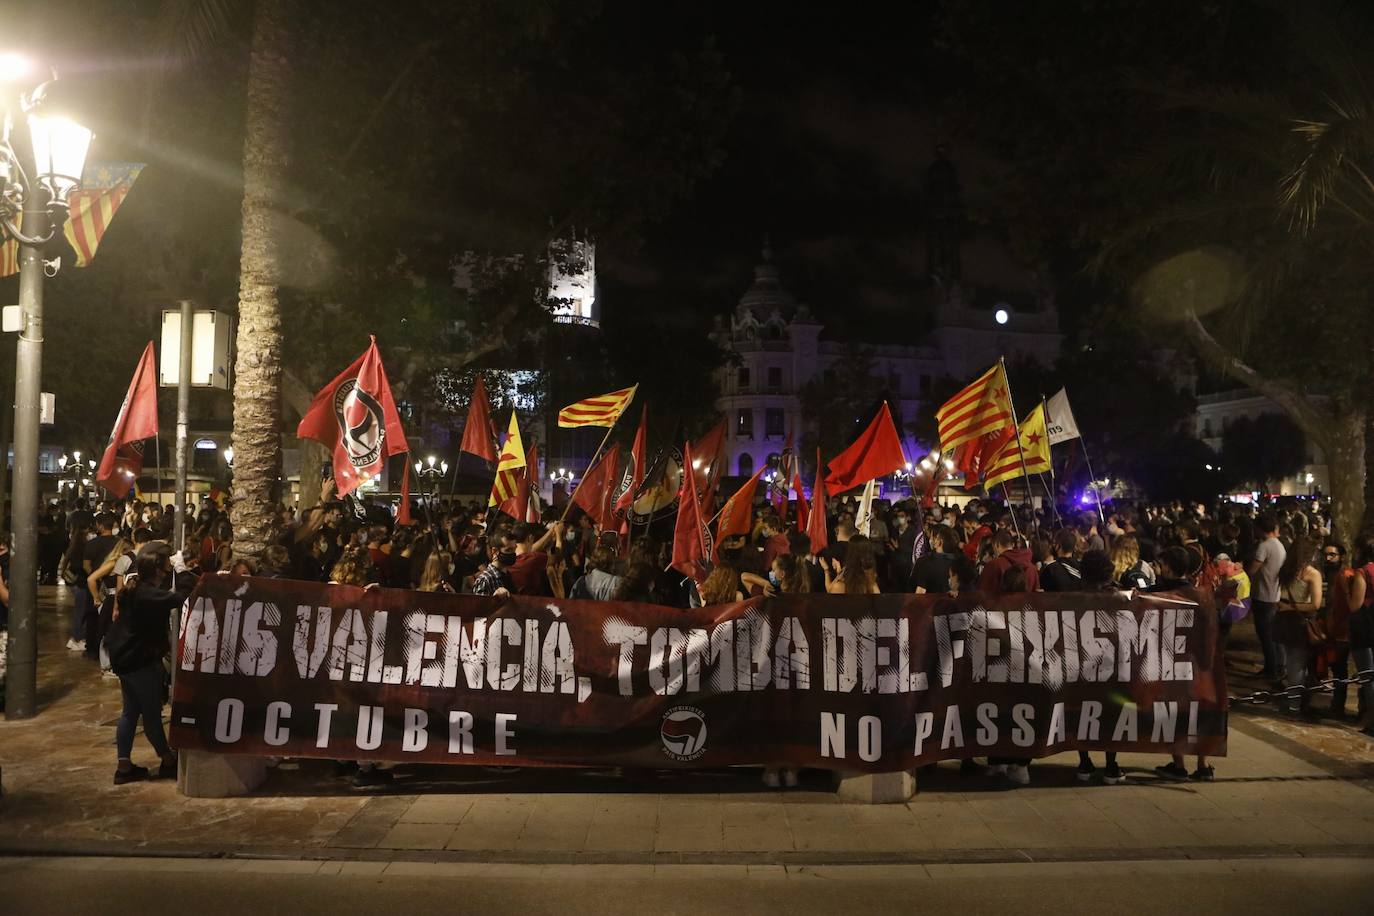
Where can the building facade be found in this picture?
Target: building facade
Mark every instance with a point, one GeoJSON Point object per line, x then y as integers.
{"type": "Point", "coordinates": [1217, 411]}
{"type": "Point", "coordinates": [778, 346]}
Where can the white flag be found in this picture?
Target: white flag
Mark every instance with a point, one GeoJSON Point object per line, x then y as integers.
{"type": "Point", "coordinates": [1059, 421]}
{"type": "Point", "coordinates": [863, 520]}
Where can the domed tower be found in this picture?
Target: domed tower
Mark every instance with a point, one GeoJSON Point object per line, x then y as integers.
{"type": "Point", "coordinates": [769, 332]}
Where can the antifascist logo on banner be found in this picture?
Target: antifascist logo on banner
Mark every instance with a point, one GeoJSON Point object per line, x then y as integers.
{"type": "Point", "coordinates": [361, 426]}
{"type": "Point", "coordinates": [683, 733]}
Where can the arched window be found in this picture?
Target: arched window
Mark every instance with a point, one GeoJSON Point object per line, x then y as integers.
{"type": "Point", "coordinates": [746, 465]}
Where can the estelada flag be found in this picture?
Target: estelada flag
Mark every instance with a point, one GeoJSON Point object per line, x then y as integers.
{"type": "Point", "coordinates": [631, 493]}
{"type": "Point", "coordinates": [691, 536]}
{"type": "Point", "coordinates": [510, 466]}
{"type": "Point", "coordinates": [602, 410]}
{"type": "Point", "coordinates": [737, 517]}
{"type": "Point", "coordinates": [982, 407]}
{"type": "Point", "coordinates": [523, 506]}
{"type": "Point", "coordinates": [877, 451]}
{"type": "Point", "coordinates": [356, 417]}
{"type": "Point", "coordinates": [477, 437]}
{"type": "Point", "coordinates": [594, 491]}
{"type": "Point", "coordinates": [1035, 449]}
{"type": "Point", "coordinates": [123, 459]}
{"type": "Point", "coordinates": [815, 519]}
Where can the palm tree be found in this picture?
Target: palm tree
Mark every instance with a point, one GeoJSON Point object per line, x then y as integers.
{"type": "Point", "coordinates": [257, 367]}
{"type": "Point", "coordinates": [1272, 209]}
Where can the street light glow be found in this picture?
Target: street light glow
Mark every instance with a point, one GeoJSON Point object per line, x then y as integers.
{"type": "Point", "coordinates": [59, 152]}
{"type": "Point", "coordinates": [14, 66]}
{"type": "Point", "coordinates": [1002, 316]}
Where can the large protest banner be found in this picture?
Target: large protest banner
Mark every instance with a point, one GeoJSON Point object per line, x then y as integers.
{"type": "Point", "coordinates": [876, 683]}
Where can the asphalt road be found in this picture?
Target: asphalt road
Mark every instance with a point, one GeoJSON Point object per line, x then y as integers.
{"type": "Point", "coordinates": [210, 887]}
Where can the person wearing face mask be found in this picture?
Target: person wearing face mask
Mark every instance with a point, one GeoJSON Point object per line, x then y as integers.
{"type": "Point", "coordinates": [903, 546]}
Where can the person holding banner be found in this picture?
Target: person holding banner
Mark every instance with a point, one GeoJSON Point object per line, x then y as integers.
{"type": "Point", "coordinates": [139, 638]}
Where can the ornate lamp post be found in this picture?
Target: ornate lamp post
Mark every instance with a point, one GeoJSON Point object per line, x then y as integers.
{"type": "Point", "coordinates": [432, 472]}
{"type": "Point", "coordinates": [33, 205]}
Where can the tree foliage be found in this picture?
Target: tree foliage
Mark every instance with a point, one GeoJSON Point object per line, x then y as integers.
{"type": "Point", "coordinates": [1263, 449]}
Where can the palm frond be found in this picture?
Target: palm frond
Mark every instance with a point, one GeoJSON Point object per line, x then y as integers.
{"type": "Point", "coordinates": [186, 29]}
{"type": "Point", "coordinates": [1330, 169]}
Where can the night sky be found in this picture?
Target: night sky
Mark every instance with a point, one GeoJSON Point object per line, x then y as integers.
{"type": "Point", "coordinates": [839, 117]}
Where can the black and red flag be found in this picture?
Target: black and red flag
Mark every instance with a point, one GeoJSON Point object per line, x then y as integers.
{"type": "Point", "coordinates": [355, 416]}
{"type": "Point", "coordinates": [123, 459]}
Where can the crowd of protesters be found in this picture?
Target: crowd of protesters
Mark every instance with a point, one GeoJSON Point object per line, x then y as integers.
{"type": "Point", "coordinates": [1312, 603]}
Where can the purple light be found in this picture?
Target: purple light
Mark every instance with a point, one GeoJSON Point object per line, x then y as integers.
{"type": "Point", "coordinates": [1086, 498]}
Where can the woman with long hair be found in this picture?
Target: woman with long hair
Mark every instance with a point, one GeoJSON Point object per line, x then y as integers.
{"type": "Point", "coordinates": [435, 576]}
{"type": "Point", "coordinates": [722, 585]}
{"type": "Point", "coordinates": [859, 573]}
{"type": "Point", "coordinates": [1300, 600]}
{"type": "Point", "coordinates": [1126, 570]}
{"type": "Point", "coordinates": [790, 574]}
{"type": "Point", "coordinates": [353, 568]}
{"type": "Point", "coordinates": [637, 583]}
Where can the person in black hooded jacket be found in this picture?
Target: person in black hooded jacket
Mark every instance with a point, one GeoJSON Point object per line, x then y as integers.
{"type": "Point", "coordinates": [143, 618]}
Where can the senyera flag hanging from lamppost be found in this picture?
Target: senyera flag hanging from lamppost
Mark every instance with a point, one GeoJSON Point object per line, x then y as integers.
{"type": "Point", "coordinates": [356, 417]}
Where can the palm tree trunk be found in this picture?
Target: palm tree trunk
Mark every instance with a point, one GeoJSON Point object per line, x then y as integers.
{"type": "Point", "coordinates": [1345, 464]}
{"type": "Point", "coordinates": [257, 367]}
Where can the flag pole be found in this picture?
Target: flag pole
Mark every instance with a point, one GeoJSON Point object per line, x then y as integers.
{"type": "Point", "coordinates": [1016, 428]}
{"type": "Point", "coordinates": [1091, 478]}
{"type": "Point", "coordinates": [1007, 493]}
{"type": "Point", "coordinates": [1050, 490]}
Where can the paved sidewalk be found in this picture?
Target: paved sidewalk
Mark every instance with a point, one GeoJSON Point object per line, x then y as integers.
{"type": "Point", "coordinates": [1287, 789]}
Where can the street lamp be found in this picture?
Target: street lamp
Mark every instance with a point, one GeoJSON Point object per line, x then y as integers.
{"type": "Point", "coordinates": [432, 471]}
{"type": "Point", "coordinates": [32, 208]}
{"type": "Point", "coordinates": [561, 477]}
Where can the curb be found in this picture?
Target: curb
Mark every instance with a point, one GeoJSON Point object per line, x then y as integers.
{"type": "Point", "coordinates": [813, 857]}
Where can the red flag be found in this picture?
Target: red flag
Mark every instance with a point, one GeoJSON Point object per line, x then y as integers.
{"type": "Point", "coordinates": [594, 491]}
{"type": "Point", "coordinates": [523, 505]}
{"type": "Point", "coordinates": [707, 451]}
{"type": "Point", "coordinates": [802, 510]}
{"type": "Point", "coordinates": [876, 452]}
{"type": "Point", "coordinates": [356, 417]}
{"type": "Point", "coordinates": [137, 420]}
{"type": "Point", "coordinates": [815, 519]}
{"type": "Point", "coordinates": [627, 498]}
{"type": "Point", "coordinates": [691, 536]}
{"type": "Point", "coordinates": [737, 517]}
{"type": "Point", "coordinates": [477, 427]}
{"type": "Point", "coordinates": [973, 456]}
